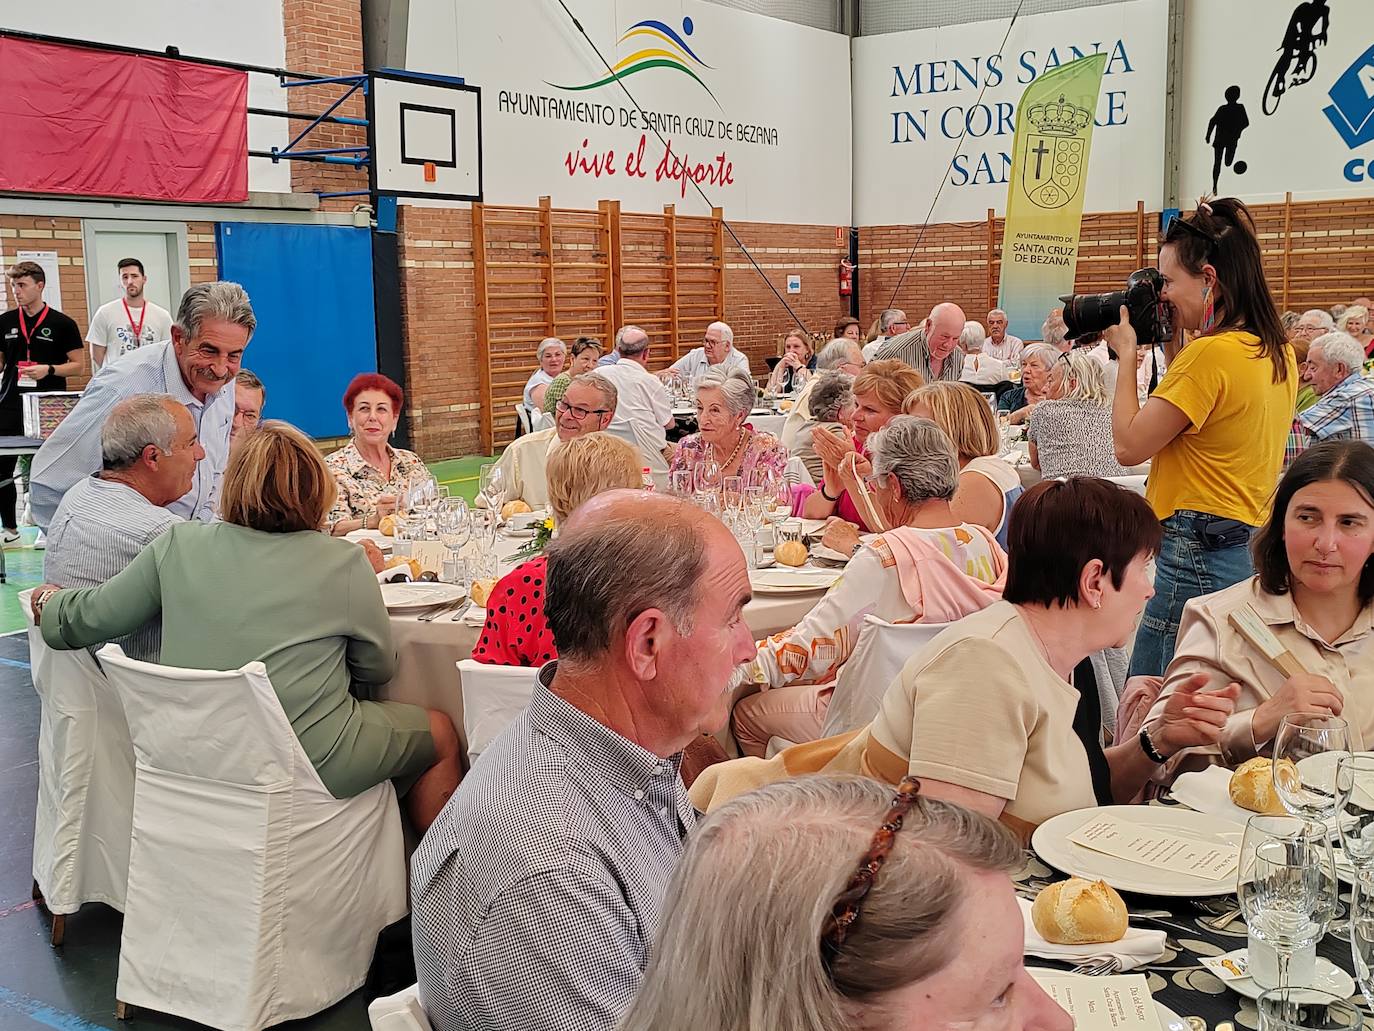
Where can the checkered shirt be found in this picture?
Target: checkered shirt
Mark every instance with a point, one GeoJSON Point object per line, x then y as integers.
{"type": "Point", "coordinates": [536, 893]}
{"type": "Point", "coordinates": [1345, 412]}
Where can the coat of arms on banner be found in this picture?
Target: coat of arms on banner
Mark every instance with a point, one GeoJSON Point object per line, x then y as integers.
{"type": "Point", "coordinates": [1056, 153]}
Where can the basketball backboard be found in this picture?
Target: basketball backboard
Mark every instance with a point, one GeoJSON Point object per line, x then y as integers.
{"type": "Point", "coordinates": [426, 136]}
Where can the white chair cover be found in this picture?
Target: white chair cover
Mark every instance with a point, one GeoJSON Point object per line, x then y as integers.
{"type": "Point", "coordinates": [254, 895]}
{"type": "Point", "coordinates": [796, 472]}
{"type": "Point", "coordinates": [1136, 483]}
{"type": "Point", "coordinates": [399, 1012]}
{"type": "Point", "coordinates": [85, 805]}
{"type": "Point", "coordinates": [881, 651]}
{"type": "Point", "coordinates": [492, 697]}
{"type": "Point", "coordinates": [522, 416]}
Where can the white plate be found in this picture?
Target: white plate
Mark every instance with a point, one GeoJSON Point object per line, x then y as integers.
{"type": "Point", "coordinates": [526, 520]}
{"type": "Point", "coordinates": [1330, 979]}
{"type": "Point", "coordinates": [378, 538]}
{"type": "Point", "coordinates": [413, 595]}
{"type": "Point", "coordinates": [1168, 1019]}
{"type": "Point", "coordinates": [804, 581]}
{"type": "Point", "coordinates": [1051, 842]}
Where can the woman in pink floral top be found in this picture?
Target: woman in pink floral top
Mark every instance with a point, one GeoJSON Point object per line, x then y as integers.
{"type": "Point", "coordinates": [371, 474]}
{"type": "Point", "coordinates": [725, 397]}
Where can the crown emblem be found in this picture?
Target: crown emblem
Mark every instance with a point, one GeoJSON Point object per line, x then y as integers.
{"type": "Point", "coordinates": [1059, 119]}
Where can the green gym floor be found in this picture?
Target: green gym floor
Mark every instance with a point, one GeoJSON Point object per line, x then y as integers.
{"type": "Point", "coordinates": [24, 565]}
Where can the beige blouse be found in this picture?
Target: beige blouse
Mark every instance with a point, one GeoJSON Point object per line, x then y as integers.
{"type": "Point", "coordinates": [980, 707]}
{"type": "Point", "coordinates": [1208, 644]}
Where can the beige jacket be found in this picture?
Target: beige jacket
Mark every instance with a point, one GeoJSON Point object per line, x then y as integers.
{"type": "Point", "coordinates": [1208, 644]}
{"type": "Point", "coordinates": [522, 467]}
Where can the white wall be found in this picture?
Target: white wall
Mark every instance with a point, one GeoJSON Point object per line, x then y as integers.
{"type": "Point", "coordinates": [912, 101]}
{"type": "Point", "coordinates": [248, 31]}
{"type": "Point", "coordinates": [770, 116]}
{"type": "Point", "coordinates": [1297, 148]}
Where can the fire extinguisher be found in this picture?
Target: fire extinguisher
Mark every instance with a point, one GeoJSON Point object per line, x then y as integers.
{"type": "Point", "coordinates": [846, 277]}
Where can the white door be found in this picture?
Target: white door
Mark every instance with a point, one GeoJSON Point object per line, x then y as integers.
{"type": "Point", "coordinates": [161, 246]}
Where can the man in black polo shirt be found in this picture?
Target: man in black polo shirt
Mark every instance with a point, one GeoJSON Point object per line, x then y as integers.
{"type": "Point", "coordinates": [40, 348]}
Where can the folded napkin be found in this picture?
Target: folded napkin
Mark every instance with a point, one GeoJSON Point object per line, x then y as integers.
{"type": "Point", "coordinates": [1209, 791]}
{"type": "Point", "coordinates": [1137, 949]}
{"type": "Point", "coordinates": [474, 616]}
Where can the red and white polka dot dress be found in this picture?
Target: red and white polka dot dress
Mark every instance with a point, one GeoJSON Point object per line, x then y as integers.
{"type": "Point", "coordinates": [516, 633]}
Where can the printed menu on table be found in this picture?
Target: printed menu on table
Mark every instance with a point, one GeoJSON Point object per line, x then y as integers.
{"type": "Point", "coordinates": [1118, 1003]}
{"type": "Point", "coordinates": [1151, 846]}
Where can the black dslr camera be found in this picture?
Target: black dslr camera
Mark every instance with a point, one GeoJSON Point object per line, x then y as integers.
{"type": "Point", "coordinates": [1151, 317]}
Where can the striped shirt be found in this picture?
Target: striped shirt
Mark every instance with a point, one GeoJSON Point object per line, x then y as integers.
{"type": "Point", "coordinates": [1345, 412]}
{"type": "Point", "coordinates": [910, 347]}
{"type": "Point", "coordinates": [536, 893]}
{"type": "Point", "coordinates": [73, 451]}
{"type": "Point", "coordinates": [97, 530]}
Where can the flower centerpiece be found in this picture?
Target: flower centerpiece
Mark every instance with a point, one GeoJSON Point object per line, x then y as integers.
{"type": "Point", "coordinates": [543, 533]}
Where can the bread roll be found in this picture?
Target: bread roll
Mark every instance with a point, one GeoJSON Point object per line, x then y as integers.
{"type": "Point", "coordinates": [1079, 912]}
{"type": "Point", "coordinates": [387, 525]}
{"type": "Point", "coordinates": [481, 590]}
{"type": "Point", "coordinates": [513, 508]}
{"type": "Point", "coordinates": [1252, 786]}
{"type": "Point", "coordinates": [791, 553]}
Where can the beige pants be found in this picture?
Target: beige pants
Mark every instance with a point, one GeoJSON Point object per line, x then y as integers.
{"type": "Point", "coordinates": [795, 714]}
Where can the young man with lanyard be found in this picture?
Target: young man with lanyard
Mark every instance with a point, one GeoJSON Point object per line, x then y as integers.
{"type": "Point", "coordinates": [128, 322]}
{"type": "Point", "coordinates": [40, 348]}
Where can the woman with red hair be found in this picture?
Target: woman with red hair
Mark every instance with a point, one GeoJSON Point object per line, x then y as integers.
{"type": "Point", "coordinates": [371, 474]}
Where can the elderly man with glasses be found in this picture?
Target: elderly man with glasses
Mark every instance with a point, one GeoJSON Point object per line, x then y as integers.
{"type": "Point", "coordinates": [585, 407]}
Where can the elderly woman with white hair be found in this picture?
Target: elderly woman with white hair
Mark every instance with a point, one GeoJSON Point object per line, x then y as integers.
{"type": "Point", "coordinates": [831, 406]}
{"type": "Point", "coordinates": [1355, 321]}
{"type": "Point", "coordinates": [725, 397]}
{"type": "Point", "coordinates": [1070, 433]}
{"type": "Point", "coordinates": [902, 916]}
{"type": "Point", "coordinates": [552, 355]}
{"type": "Point", "coordinates": [925, 567]}
{"type": "Point", "coordinates": [1020, 401]}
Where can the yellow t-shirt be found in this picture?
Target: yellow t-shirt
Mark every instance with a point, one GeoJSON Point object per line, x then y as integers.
{"type": "Point", "coordinates": [1227, 461]}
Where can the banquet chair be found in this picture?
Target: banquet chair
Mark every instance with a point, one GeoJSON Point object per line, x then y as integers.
{"type": "Point", "coordinates": [796, 472]}
{"type": "Point", "coordinates": [879, 655]}
{"type": "Point", "coordinates": [522, 419]}
{"type": "Point", "coordinates": [254, 895]}
{"type": "Point", "coordinates": [85, 804]}
{"type": "Point", "coordinates": [492, 697]}
{"type": "Point", "coordinates": [399, 1012]}
{"type": "Point", "coordinates": [1136, 483]}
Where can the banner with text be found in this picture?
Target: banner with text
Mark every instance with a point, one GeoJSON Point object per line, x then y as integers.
{"type": "Point", "coordinates": [753, 109]}
{"type": "Point", "coordinates": [1290, 108]}
{"type": "Point", "coordinates": [935, 110]}
{"type": "Point", "coordinates": [1049, 172]}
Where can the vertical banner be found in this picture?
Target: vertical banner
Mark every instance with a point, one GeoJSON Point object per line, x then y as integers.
{"type": "Point", "coordinates": [1049, 169]}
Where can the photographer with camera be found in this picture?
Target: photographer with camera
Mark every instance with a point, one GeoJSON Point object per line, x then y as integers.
{"type": "Point", "coordinates": [1214, 429]}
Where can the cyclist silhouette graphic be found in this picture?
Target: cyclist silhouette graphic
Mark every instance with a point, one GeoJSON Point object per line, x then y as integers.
{"type": "Point", "coordinates": [1307, 29]}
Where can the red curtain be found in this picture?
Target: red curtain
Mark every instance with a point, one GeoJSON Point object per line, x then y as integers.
{"type": "Point", "coordinates": [100, 123]}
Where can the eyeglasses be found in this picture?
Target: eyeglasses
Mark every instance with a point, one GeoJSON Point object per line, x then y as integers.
{"type": "Point", "coordinates": [851, 900]}
{"type": "Point", "coordinates": [578, 412]}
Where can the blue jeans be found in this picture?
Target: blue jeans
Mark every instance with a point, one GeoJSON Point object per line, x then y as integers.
{"type": "Point", "coordinates": [1188, 565]}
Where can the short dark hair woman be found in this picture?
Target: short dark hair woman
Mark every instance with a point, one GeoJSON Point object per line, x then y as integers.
{"type": "Point", "coordinates": [1016, 677]}
{"type": "Point", "coordinates": [1214, 429]}
{"type": "Point", "coordinates": [1314, 589]}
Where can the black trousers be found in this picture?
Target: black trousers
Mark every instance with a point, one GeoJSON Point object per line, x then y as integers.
{"type": "Point", "coordinates": [11, 425]}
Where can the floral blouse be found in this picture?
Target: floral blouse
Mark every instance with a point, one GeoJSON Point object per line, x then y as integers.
{"type": "Point", "coordinates": [761, 450]}
{"type": "Point", "coordinates": [360, 485]}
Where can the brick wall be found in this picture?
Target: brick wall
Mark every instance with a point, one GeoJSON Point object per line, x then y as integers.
{"type": "Point", "coordinates": [63, 235]}
{"type": "Point", "coordinates": [325, 38]}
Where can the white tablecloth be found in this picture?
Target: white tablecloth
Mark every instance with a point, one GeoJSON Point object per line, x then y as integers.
{"type": "Point", "coordinates": [426, 673]}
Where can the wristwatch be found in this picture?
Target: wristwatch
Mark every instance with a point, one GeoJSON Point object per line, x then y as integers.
{"type": "Point", "coordinates": [1148, 747]}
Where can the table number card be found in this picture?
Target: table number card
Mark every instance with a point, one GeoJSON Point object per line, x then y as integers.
{"type": "Point", "coordinates": [1150, 846]}
{"type": "Point", "coordinates": [1118, 1003]}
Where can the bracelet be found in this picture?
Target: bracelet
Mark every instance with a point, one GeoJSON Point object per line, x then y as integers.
{"type": "Point", "coordinates": [42, 599]}
{"type": "Point", "coordinates": [827, 496]}
{"type": "Point", "coordinates": [1148, 747]}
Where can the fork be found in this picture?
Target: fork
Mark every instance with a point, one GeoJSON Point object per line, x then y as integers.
{"type": "Point", "coordinates": [437, 611]}
{"type": "Point", "coordinates": [1098, 967]}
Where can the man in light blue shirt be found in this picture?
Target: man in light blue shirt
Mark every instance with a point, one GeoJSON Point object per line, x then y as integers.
{"type": "Point", "coordinates": [718, 348]}
{"type": "Point", "coordinates": [196, 367]}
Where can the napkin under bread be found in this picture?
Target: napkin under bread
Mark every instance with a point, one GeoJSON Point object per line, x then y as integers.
{"type": "Point", "coordinates": [1137, 949]}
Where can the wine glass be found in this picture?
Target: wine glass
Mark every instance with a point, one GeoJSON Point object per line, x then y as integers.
{"type": "Point", "coordinates": [1307, 748]}
{"type": "Point", "coordinates": [708, 482]}
{"type": "Point", "coordinates": [1306, 1010]}
{"type": "Point", "coordinates": [732, 489]}
{"type": "Point", "coordinates": [491, 484]}
{"type": "Point", "coordinates": [1355, 808]}
{"type": "Point", "coordinates": [1286, 885]}
{"type": "Point", "coordinates": [1362, 930]}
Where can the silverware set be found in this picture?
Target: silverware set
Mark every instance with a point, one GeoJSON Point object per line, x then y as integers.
{"type": "Point", "coordinates": [430, 615]}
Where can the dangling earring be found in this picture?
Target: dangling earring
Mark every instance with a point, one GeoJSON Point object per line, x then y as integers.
{"type": "Point", "coordinates": [1209, 313]}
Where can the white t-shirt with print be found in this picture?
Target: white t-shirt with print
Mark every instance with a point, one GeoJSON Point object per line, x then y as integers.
{"type": "Point", "coordinates": [112, 330]}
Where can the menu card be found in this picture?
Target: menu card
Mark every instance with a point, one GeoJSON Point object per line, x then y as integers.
{"type": "Point", "coordinates": [1151, 846]}
{"type": "Point", "coordinates": [1117, 1003]}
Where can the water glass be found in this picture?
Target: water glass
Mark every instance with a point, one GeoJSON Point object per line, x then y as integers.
{"type": "Point", "coordinates": [680, 482]}
{"type": "Point", "coordinates": [1362, 931]}
{"type": "Point", "coordinates": [788, 530]}
{"type": "Point", "coordinates": [491, 484]}
{"type": "Point", "coordinates": [1287, 888]}
{"type": "Point", "coordinates": [1306, 1010]}
{"type": "Point", "coordinates": [1308, 787]}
